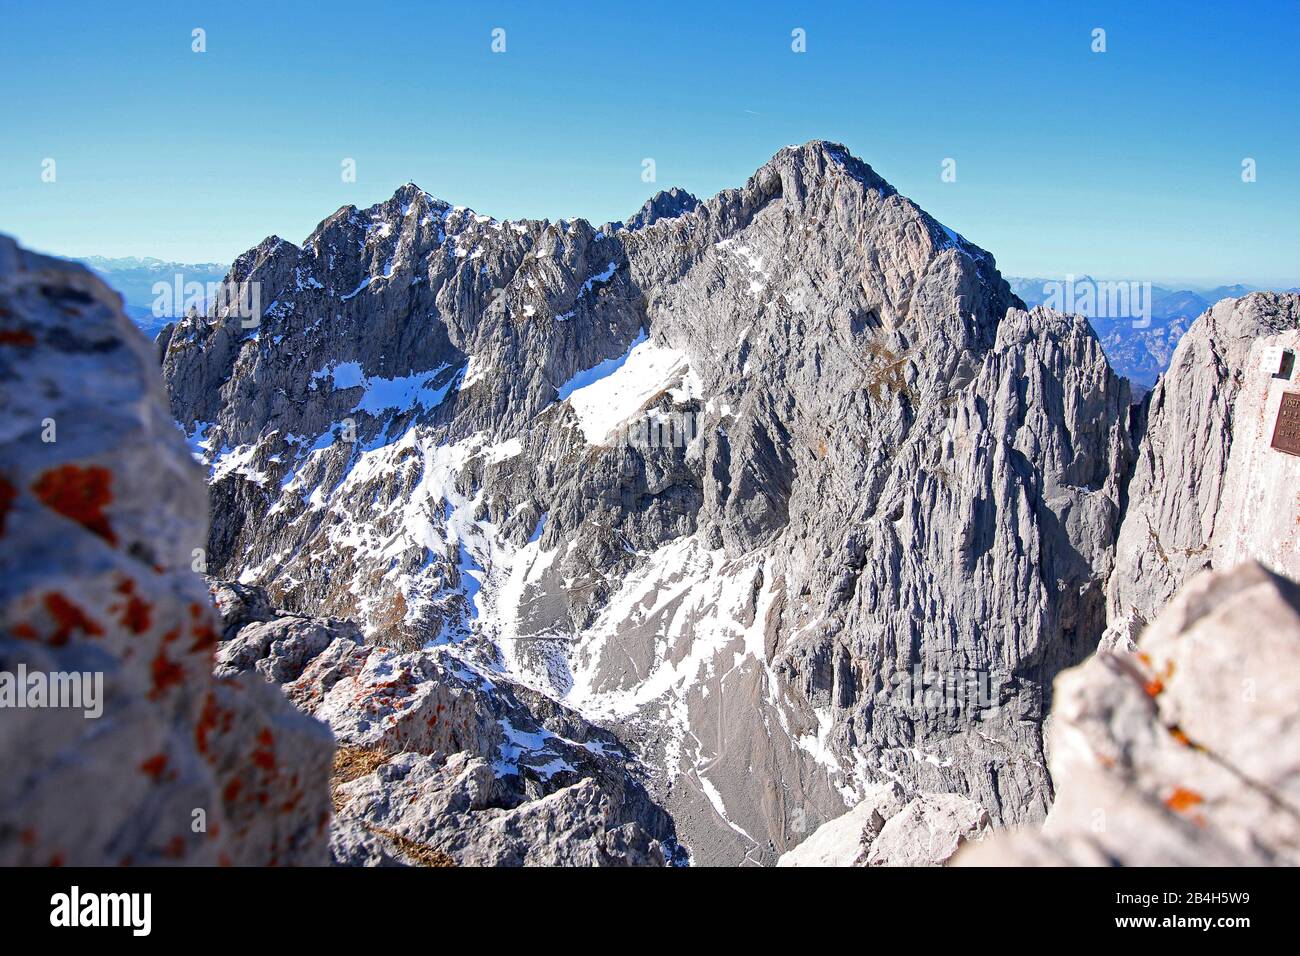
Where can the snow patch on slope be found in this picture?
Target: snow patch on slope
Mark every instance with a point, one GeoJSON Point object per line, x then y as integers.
{"type": "Point", "coordinates": [382, 394]}
{"type": "Point", "coordinates": [607, 395]}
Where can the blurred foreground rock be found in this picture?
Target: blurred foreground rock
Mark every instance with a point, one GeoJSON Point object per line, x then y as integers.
{"type": "Point", "coordinates": [102, 513]}
{"type": "Point", "coordinates": [1186, 752]}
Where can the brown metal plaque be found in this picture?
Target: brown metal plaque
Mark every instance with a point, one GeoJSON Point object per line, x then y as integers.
{"type": "Point", "coordinates": [1286, 433]}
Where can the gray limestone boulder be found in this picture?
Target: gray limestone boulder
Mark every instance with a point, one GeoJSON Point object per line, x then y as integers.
{"type": "Point", "coordinates": [101, 514]}
{"type": "Point", "coordinates": [928, 831]}
{"type": "Point", "coordinates": [891, 828]}
{"type": "Point", "coordinates": [240, 604]}
{"type": "Point", "coordinates": [280, 648]}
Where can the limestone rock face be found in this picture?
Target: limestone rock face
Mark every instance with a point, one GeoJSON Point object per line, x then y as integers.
{"type": "Point", "coordinates": [1186, 753]}
{"type": "Point", "coordinates": [1208, 491]}
{"type": "Point", "coordinates": [101, 513]}
{"type": "Point", "coordinates": [784, 488]}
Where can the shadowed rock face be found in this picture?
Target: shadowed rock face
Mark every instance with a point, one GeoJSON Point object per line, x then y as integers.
{"type": "Point", "coordinates": [732, 483]}
{"type": "Point", "coordinates": [101, 512]}
{"type": "Point", "coordinates": [1186, 753]}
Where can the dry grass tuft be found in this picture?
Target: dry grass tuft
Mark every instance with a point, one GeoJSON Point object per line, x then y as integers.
{"type": "Point", "coordinates": [421, 854]}
{"type": "Point", "coordinates": [351, 763]}
{"type": "Point", "coordinates": [885, 371]}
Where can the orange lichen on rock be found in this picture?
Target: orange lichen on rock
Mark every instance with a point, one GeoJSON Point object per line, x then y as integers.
{"type": "Point", "coordinates": [136, 613]}
{"type": "Point", "coordinates": [68, 618]}
{"type": "Point", "coordinates": [80, 495]}
{"type": "Point", "coordinates": [19, 338]}
{"type": "Point", "coordinates": [1182, 799]}
{"type": "Point", "coordinates": [209, 719]}
{"type": "Point", "coordinates": [166, 674]}
{"type": "Point", "coordinates": [264, 755]}
{"type": "Point", "coordinates": [154, 766]}
{"type": "Point", "coordinates": [205, 635]}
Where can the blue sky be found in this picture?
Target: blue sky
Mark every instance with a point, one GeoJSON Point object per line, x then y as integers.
{"type": "Point", "coordinates": [1120, 164]}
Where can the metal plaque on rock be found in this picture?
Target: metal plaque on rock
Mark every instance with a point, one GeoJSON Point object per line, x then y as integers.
{"type": "Point", "coordinates": [1286, 433]}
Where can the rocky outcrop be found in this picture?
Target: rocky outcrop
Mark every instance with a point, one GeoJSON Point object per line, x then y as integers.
{"type": "Point", "coordinates": [257, 636]}
{"type": "Point", "coordinates": [1208, 491]}
{"type": "Point", "coordinates": [117, 743]}
{"type": "Point", "coordinates": [280, 649]}
{"type": "Point", "coordinates": [928, 831]}
{"type": "Point", "coordinates": [452, 806]}
{"type": "Point", "coordinates": [240, 604]}
{"type": "Point", "coordinates": [474, 767]}
{"type": "Point", "coordinates": [441, 763]}
{"type": "Point", "coordinates": [477, 768]}
{"type": "Point", "coordinates": [1187, 752]}
{"type": "Point", "coordinates": [781, 486]}
{"type": "Point", "coordinates": [665, 204]}
{"type": "Point", "coordinates": [887, 828]}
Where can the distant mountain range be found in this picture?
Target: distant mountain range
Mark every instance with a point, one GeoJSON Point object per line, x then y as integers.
{"type": "Point", "coordinates": [1139, 351]}
{"type": "Point", "coordinates": [1166, 302]}
{"type": "Point", "coordinates": [136, 278]}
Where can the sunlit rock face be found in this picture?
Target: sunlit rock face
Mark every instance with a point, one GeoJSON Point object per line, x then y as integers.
{"type": "Point", "coordinates": [1209, 490]}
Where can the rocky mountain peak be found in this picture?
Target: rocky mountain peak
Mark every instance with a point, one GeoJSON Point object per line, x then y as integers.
{"type": "Point", "coordinates": [820, 158]}
{"type": "Point", "coordinates": [665, 204]}
{"type": "Point", "coordinates": [757, 429]}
